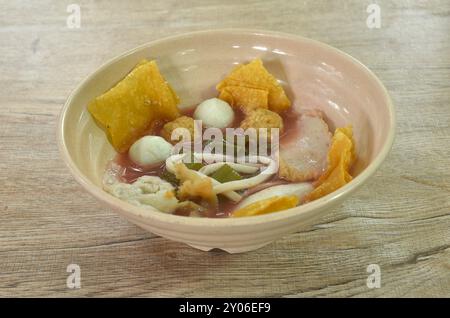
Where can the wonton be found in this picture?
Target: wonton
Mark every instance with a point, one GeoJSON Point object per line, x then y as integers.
{"type": "Point", "coordinates": [251, 86]}
{"type": "Point", "coordinates": [135, 105]}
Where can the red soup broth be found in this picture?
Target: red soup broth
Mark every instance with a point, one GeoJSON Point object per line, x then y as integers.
{"type": "Point", "coordinates": [130, 171]}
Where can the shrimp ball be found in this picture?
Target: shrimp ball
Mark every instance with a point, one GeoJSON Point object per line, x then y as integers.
{"type": "Point", "coordinates": [150, 150]}
{"type": "Point", "coordinates": [214, 113]}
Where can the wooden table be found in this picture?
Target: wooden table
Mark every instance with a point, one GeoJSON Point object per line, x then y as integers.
{"type": "Point", "coordinates": [399, 220]}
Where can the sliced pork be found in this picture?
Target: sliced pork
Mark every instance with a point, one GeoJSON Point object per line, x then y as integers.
{"type": "Point", "coordinates": [303, 152]}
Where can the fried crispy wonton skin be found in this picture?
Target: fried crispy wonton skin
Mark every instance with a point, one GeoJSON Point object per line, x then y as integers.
{"type": "Point", "coordinates": [340, 158]}
{"type": "Point", "coordinates": [251, 86]}
{"type": "Point", "coordinates": [132, 107]}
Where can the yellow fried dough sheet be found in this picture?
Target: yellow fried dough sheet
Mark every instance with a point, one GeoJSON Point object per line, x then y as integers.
{"type": "Point", "coordinates": [251, 86]}
{"type": "Point", "coordinates": [340, 159]}
{"type": "Point", "coordinates": [135, 105]}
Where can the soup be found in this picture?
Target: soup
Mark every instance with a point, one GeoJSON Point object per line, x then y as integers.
{"type": "Point", "coordinates": [242, 153]}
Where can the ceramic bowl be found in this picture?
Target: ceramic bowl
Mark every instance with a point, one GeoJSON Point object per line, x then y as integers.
{"type": "Point", "coordinates": [315, 76]}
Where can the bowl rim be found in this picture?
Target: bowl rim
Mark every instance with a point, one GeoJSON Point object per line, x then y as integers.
{"type": "Point", "coordinates": [170, 219]}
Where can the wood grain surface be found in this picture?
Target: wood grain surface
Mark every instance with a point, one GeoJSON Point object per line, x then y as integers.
{"type": "Point", "coordinates": [399, 220]}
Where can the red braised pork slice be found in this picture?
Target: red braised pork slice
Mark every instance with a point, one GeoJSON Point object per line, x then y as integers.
{"type": "Point", "coordinates": [303, 153]}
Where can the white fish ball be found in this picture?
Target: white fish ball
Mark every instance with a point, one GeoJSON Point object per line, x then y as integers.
{"type": "Point", "coordinates": [214, 112]}
{"type": "Point", "coordinates": [150, 150]}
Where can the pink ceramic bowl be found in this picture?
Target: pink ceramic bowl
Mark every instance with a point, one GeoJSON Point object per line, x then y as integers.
{"type": "Point", "coordinates": [315, 75]}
